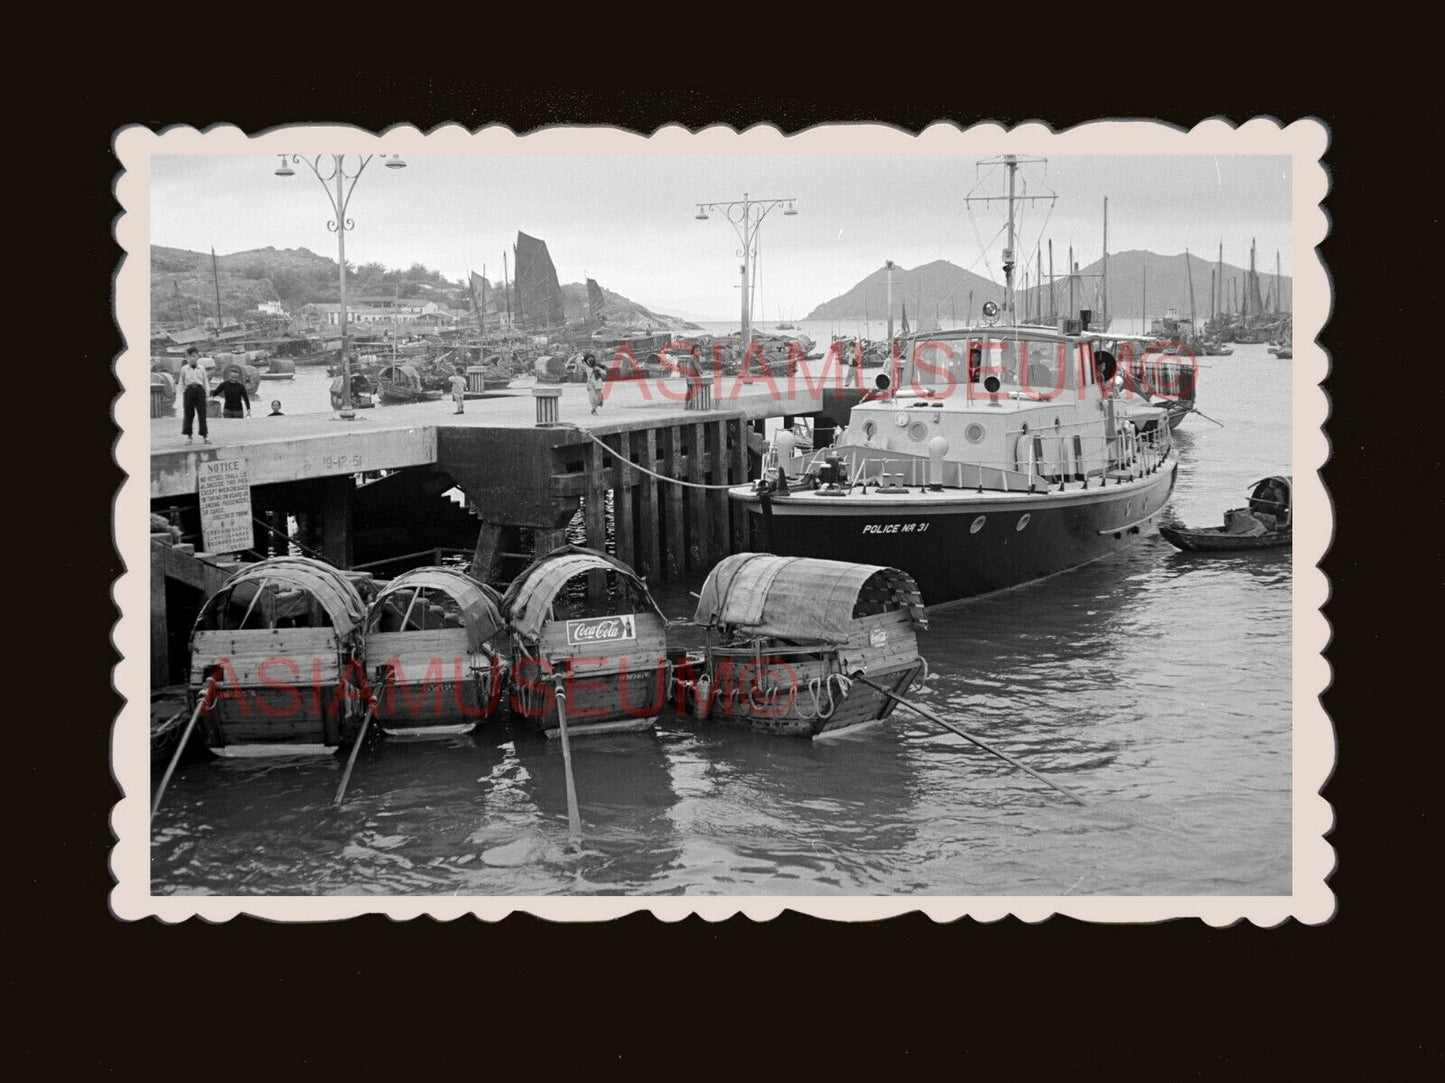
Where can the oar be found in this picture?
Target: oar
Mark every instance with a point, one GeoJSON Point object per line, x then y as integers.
{"type": "Point", "coordinates": [926, 713]}
{"type": "Point", "coordinates": [355, 748]}
{"type": "Point", "coordinates": [574, 819]}
{"type": "Point", "coordinates": [185, 739]}
{"type": "Point", "coordinates": [1201, 413]}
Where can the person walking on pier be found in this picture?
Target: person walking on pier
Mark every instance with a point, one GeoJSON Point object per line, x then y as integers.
{"type": "Point", "coordinates": [233, 395]}
{"type": "Point", "coordinates": [193, 394]}
{"type": "Point", "coordinates": [459, 388]}
{"type": "Point", "coordinates": [595, 376]}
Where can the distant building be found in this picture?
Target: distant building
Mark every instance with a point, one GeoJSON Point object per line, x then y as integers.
{"type": "Point", "coordinates": [403, 312]}
{"type": "Point", "coordinates": [271, 308]}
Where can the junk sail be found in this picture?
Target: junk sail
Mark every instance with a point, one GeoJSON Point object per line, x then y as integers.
{"type": "Point", "coordinates": [594, 299]}
{"type": "Point", "coordinates": [539, 294]}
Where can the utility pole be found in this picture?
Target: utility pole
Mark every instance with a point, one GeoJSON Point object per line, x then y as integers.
{"type": "Point", "coordinates": [746, 216]}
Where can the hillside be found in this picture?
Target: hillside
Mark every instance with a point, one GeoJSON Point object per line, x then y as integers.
{"type": "Point", "coordinates": [939, 287]}
{"type": "Point", "coordinates": [943, 287]}
{"type": "Point", "coordinates": [183, 287]}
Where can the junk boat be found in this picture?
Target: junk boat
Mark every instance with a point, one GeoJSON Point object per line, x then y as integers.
{"type": "Point", "coordinates": [428, 652]}
{"type": "Point", "coordinates": [1001, 456]}
{"type": "Point", "coordinates": [605, 637]}
{"type": "Point", "coordinates": [1264, 523]}
{"type": "Point", "coordinates": [282, 637]}
{"type": "Point", "coordinates": [786, 635]}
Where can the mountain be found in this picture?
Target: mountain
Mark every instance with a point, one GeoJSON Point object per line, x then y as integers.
{"type": "Point", "coordinates": [944, 287]}
{"type": "Point", "coordinates": [617, 311]}
{"type": "Point", "coordinates": [939, 287]}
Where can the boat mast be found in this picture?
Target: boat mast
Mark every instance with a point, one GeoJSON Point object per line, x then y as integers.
{"type": "Point", "coordinates": [889, 265]}
{"type": "Point", "coordinates": [1278, 281]}
{"type": "Point", "coordinates": [1073, 274]}
{"type": "Point", "coordinates": [506, 289]}
{"type": "Point", "coordinates": [1053, 297]}
{"type": "Point", "coordinates": [216, 280]}
{"type": "Point", "coordinates": [1011, 162]}
{"type": "Point", "coordinates": [1104, 279]}
{"type": "Point", "coordinates": [1189, 274]}
{"type": "Point", "coordinates": [1144, 301]}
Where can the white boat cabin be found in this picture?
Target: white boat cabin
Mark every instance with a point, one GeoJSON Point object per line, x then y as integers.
{"type": "Point", "coordinates": [993, 407]}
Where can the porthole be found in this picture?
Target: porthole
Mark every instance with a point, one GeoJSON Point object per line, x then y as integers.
{"type": "Point", "coordinates": [901, 420]}
{"type": "Point", "coordinates": [974, 433]}
{"type": "Point", "coordinates": [918, 431]}
{"type": "Point", "coordinates": [870, 429]}
{"type": "Point", "coordinates": [1023, 521]}
{"type": "Point", "coordinates": [977, 525]}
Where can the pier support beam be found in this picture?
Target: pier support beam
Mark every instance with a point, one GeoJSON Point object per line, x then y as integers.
{"type": "Point", "coordinates": [160, 639]}
{"type": "Point", "coordinates": [336, 521]}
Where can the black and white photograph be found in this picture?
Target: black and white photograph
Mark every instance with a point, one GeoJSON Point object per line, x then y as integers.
{"type": "Point", "coordinates": [852, 521]}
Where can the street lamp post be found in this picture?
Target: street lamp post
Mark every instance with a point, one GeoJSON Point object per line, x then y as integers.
{"type": "Point", "coordinates": [746, 215]}
{"type": "Point", "coordinates": [328, 168]}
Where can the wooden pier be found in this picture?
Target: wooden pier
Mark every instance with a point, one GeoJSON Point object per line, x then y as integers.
{"type": "Point", "coordinates": [370, 492]}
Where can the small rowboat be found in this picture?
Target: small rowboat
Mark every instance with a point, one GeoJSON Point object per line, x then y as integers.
{"type": "Point", "coordinates": [1264, 524]}
{"type": "Point", "coordinates": [786, 636]}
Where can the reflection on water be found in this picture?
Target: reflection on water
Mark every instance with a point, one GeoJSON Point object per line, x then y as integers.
{"type": "Point", "coordinates": [1155, 684]}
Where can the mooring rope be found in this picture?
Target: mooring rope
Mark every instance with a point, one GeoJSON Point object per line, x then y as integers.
{"type": "Point", "coordinates": [638, 466]}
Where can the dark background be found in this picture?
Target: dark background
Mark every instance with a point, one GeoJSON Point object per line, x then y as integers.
{"type": "Point", "coordinates": [523, 995]}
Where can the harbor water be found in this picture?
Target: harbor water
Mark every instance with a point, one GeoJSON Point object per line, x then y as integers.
{"type": "Point", "coordinates": [1155, 684]}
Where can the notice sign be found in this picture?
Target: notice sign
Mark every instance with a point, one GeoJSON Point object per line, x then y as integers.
{"type": "Point", "coordinates": [619, 629]}
{"type": "Point", "coordinates": [225, 506]}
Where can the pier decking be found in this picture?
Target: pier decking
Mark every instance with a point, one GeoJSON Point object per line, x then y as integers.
{"type": "Point", "coordinates": [379, 478]}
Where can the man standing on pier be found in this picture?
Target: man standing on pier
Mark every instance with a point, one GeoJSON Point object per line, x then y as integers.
{"type": "Point", "coordinates": [193, 394]}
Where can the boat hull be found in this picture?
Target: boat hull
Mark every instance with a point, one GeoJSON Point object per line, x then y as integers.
{"type": "Point", "coordinates": [803, 706]}
{"type": "Point", "coordinates": [1220, 541]}
{"type": "Point", "coordinates": [940, 541]}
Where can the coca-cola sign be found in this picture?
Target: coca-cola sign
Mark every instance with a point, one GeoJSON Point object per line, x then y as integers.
{"type": "Point", "coordinates": [591, 630]}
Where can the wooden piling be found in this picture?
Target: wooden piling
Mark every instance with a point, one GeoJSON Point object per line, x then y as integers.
{"type": "Point", "coordinates": [648, 550]}
{"type": "Point", "coordinates": [623, 479]}
{"type": "Point", "coordinates": [739, 460]}
{"type": "Point", "coordinates": [717, 499]}
{"type": "Point", "coordinates": [674, 556]}
{"type": "Point", "coordinates": [595, 515]}
{"type": "Point", "coordinates": [698, 553]}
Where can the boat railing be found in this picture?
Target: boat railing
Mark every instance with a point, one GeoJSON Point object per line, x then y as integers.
{"type": "Point", "coordinates": [1053, 455]}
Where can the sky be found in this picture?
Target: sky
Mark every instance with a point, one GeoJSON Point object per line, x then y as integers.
{"type": "Point", "coordinates": [628, 220]}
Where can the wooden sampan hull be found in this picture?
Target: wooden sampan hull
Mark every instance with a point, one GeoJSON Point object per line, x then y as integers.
{"type": "Point", "coordinates": [797, 698]}
{"type": "Point", "coordinates": [1219, 540]}
{"type": "Point", "coordinates": [451, 704]}
{"type": "Point", "coordinates": [609, 700]}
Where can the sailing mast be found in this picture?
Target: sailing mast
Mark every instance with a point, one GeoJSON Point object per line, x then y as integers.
{"type": "Point", "coordinates": [1053, 297]}
{"type": "Point", "coordinates": [216, 280]}
{"type": "Point", "coordinates": [1104, 279]}
{"type": "Point", "coordinates": [507, 290]}
{"type": "Point", "coordinates": [1189, 274]}
{"type": "Point", "coordinates": [1144, 302]}
{"type": "Point", "coordinates": [1073, 275]}
{"type": "Point", "coordinates": [1278, 282]}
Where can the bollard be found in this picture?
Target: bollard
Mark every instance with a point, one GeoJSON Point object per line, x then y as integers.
{"type": "Point", "coordinates": [546, 404]}
{"type": "Point", "coordinates": [699, 392]}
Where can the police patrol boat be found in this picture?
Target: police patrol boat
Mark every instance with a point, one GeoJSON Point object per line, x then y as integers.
{"type": "Point", "coordinates": [992, 456]}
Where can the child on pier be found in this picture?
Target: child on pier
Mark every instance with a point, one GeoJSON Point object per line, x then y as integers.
{"type": "Point", "coordinates": [459, 389]}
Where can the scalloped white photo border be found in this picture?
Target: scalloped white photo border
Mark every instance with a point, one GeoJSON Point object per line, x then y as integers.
{"type": "Point", "coordinates": [1305, 141]}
